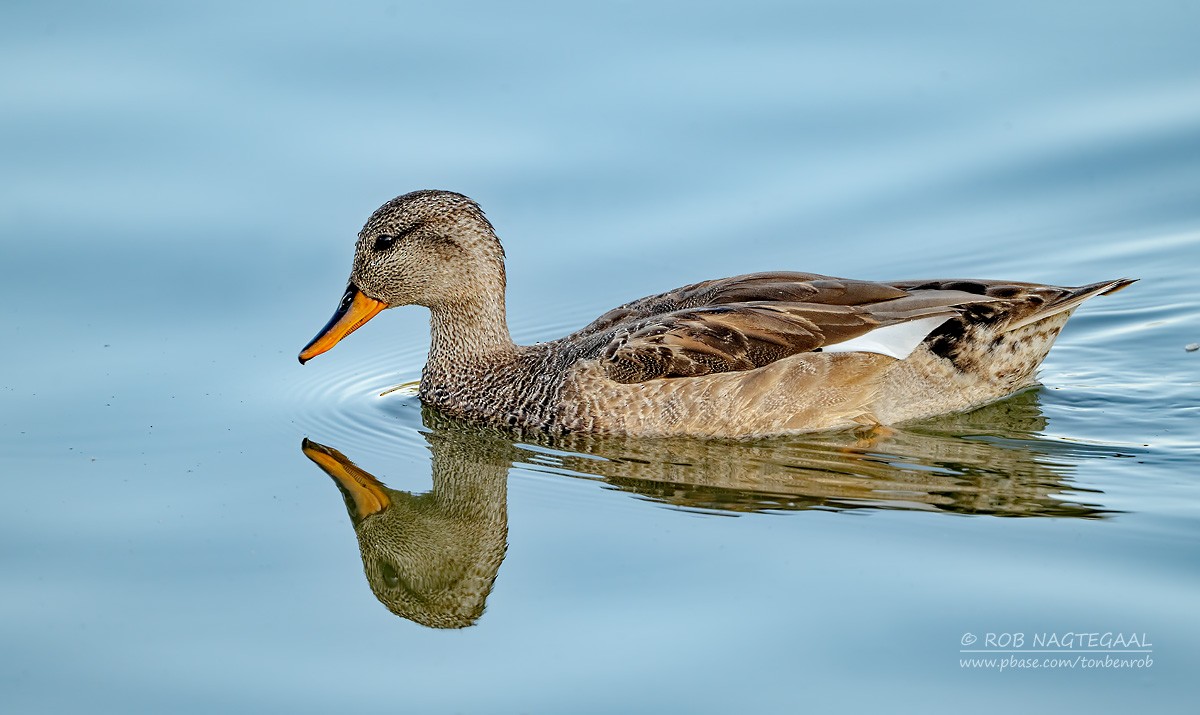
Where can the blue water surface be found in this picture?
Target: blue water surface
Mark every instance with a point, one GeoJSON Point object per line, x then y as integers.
{"type": "Point", "coordinates": [181, 187]}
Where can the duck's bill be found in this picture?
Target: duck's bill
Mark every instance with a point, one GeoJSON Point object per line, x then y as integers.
{"type": "Point", "coordinates": [363, 493]}
{"type": "Point", "coordinates": [354, 310]}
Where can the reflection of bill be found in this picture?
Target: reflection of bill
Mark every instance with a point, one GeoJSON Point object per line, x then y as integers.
{"type": "Point", "coordinates": [432, 557]}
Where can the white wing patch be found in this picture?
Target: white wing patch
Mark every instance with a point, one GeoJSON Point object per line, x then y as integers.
{"type": "Point", "coordinates": [896, 341]}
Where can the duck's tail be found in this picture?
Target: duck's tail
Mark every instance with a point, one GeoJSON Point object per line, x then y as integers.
{"type": "Point", "coordinates": [1068, 300]}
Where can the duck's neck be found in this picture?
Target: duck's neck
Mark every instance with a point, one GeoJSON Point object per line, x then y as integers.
{"type": "Point", "coordinates": [466, 336]}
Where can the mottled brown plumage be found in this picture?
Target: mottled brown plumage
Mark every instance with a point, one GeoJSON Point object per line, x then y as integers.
{"type": "Point", "coordinates": [753, 355]}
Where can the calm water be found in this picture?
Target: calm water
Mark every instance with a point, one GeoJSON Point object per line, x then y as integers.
{"type": "Point", "coordinates": [180, 191]}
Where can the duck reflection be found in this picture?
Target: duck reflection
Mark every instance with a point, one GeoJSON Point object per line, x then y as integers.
{"type": "Point", "coordinates": [433, 557]}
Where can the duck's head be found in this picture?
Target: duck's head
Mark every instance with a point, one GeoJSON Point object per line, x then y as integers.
{"type": "Point", "coordinates": [430, 248]}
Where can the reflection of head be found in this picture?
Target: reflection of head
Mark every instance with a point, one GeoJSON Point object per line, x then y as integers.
{"type": "Point", "coordinates": [432, 557]}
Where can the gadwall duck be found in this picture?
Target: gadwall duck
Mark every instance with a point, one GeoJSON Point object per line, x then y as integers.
{"type": "Point", "coordinates": [752, 355]}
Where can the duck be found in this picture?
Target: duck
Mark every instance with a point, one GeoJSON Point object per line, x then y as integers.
{"type": "Point", "coordinates": [748, 356]}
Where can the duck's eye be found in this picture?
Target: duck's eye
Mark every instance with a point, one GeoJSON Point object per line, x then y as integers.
{"type": "Point", "coordinates": [384, 242]}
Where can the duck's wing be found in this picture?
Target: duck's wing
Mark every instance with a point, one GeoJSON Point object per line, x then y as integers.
{"type": "Point", "coordinates": [779, 286]}
{"type": "Point", "coordinates": [744, 336]}
{"type": "Point", "coordinates": [749, 321]}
